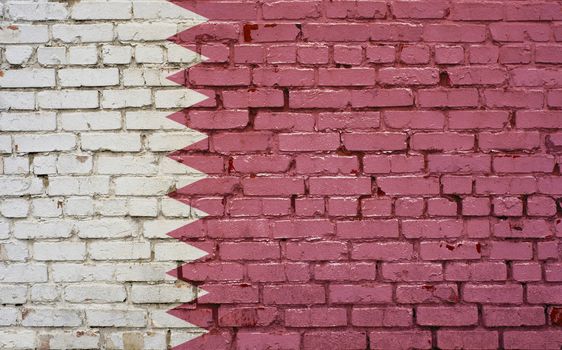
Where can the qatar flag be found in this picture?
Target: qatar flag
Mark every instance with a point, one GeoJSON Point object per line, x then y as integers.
{"type": "Point", "coordinates": [281, 174]}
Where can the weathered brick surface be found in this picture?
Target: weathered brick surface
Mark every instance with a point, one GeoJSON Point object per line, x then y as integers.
{"type": "Point", "coordinates": [379, 174]}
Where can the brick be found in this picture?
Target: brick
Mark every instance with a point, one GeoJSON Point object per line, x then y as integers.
{"type": "Point", "coordinates": [511, 251]}
{"type": "Point", "coordinates": [294, 294]}
{"type": "Point", "coordinates": [353, 340]}
{"type": "Point", "coordinates": [518, 32]}
{"type": "Point", "coordinates": [319, 317]}
{"type": "Point", "coordinates": [381, 316]}
{"type": "Point", "coordinates": [478, 339]}
{"type": "Point", "coordinates": [362, 32]}
{"type": "Point", "coordinates": [475, 11]}
{"type": "Point", "coordinates": [508, 141]}
{"type": "Point", "coordinates": [254, 340]}
{"type": "Point", "coordinates": [309, 142]}
{"type": "Point", "coordinates": [470, 33]}
{"type": "Point", "coordinates": [447, 316]}
{"type": "Point", "coordinates": [412, 272]}
{"type": "Point", "coordinates": [508, 294]}
{"type": "Point", "coordinates": [408, 76]}
{"type": "Point", "coordinates": [400, 339]}
{"type": "Point", "coordinates": [415, 54]}
{"type": "Point", "coordinates": [448, 98]}
{"type": "Point", "coordinates": [367, 229]}
{"type": "Point", "coordinates": [419, 10]}
{"type": "Point", "coordinates": [345, 271]}
{"type": "Point", "coordinates": [513, 316]}
{"type": "Point", "coordinates": [449, 54]}
{"type": "Point", "coordinates": [449, 251]}
{"type": "Point", "coordinates": [339, 186]}
{"type": "Point", "coordinates": [356, 9]}
{"type": "Point", "coordinates": [360, 294]}
{"type": "Point", "coordinates": [382, 251]}
{"type": "Point", "coordinates": [408, 185]}
{"type": "Point", "coordinates": [374, 141]}
{"type": "Point", "coordinates": [532, 339]}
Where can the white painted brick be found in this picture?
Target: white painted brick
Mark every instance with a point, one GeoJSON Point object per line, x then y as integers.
{"type": "Point", "coordinates": [149, 54]}
{"type": "Point", "coordinates": [170, 141]}
{"type": "Point", "coordinates": [143, 207]}
{"type": "Point", "coordinates": [52, 55]}
{"type": "Point", "coordinates": [83, 55]}
{"type": "Point", "coordinates": [143, 272]}
{"type": "Point", "coordinates": [150, 120]}
{"type": "Point", "coordinates": [171, 208]}
{"type": "Point", "coordinates": [13, 294]}
{"type": "Point", "coordinates": [43, 229]}
{"type": "Point", "coordinates": [46, 207]}
{"type": "Point", "coordinates": [14, 251]}
{"type": "Point", "coordinates": [44, 293]}
{"type": "Point", "coordinates": [14, 208]}
{"type": "Point", "coordinates": [112, 54]}
{"type": "Point", "coordinates": [18, 186]}
{"type": "Point", "coordinates": [9, 316]}
{"type": "Point", "coordinates": [99, 10]}
{"type": "Point", "coordinates": [4, 230]}
{"type": "Point", "coordinates": [74, 164]}
{"type": "Point", "coordinates": [105, 228]}
{"type": "Point", "coordinates": [27, 78]}
{"type": "Point", "coordinates": [18, 54]}
{"type": "Point", "coordinates": [111, 207]}
{"type": "Point", "coordinates": [121, 272]}
{"type": "Point", "coordinates": [133, 165]}
{"type": "Point", "coordinates": [78, 185]}
{"type": "Point", "coordinates": [45, 142]}
{"type": "Point", "coordinates": [17, 339]}
{"type": "Point", "coordinates": [161, 319]}
{"type": "Point", "coordinates": [50, 317]}
{"type": "Point", "coordinates": [68, 99]}
{"type": "Point", "coordinates": [59, 251]}
{"type": "Point", "coordinates": [5, 144]}
{"type": "Point", "coordinates": [148, 31]}
{"type": "Point", "coordinates": [79, 206]}
{"type": "Point", "coordinates": [23, 273]}
{"type": "Point", "coordinates": [119, 250]}
{"type": "Point", "coordinates": [126, 98]}
{"type": "Point", "coordinates": [177, 98]}
{"type": "Point", "coordinates": [115, 142]}
{"type": "Point", "coordinates": [176, 251]}
{"type": "Point", "coordinates": [160, 228]}
{"type": "Point", "coordinates": [95, 293]}
{"type": "Point", "coordinates": [141, 186]}
{"type": "Point", "coordinates": [149, 9]}
{"type": "Point", "coordinates": [128, 340]}
{"type": "Point", "coordinates": [62, 272]}
{"type": "Point", "coordinates": [180, 54]}
{"type": "Point", "coordinates": [147, 77]}
{"type": "Point", "coordinates": [162, 293]}
{"type": "Point", "coordinates": [34, 121]}
{"type": "Point", "coordinates": [36, 11]}
{"type": "Point", "coordinates": [17, 100]}
{"type": "Point", "coordinates": [16, 165]}
{"type": "Point", "coordinates": [77, 77]}
{"type": "Point", "coordinates": [116, 318]}
{"type": "Point", "coordinates": [24, 34]}
{"type": "Point", "coordinates": [82, 339]}
{"type": "Point", "coordinates": [85, 33]}
{"type": "Point", "coordinates": [43, 165]}
{"type": "Point", "coordinates": [90, 121]}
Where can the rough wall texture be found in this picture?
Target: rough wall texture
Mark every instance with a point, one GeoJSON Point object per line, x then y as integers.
{"type": "Point", "coordinates": [380, 175]}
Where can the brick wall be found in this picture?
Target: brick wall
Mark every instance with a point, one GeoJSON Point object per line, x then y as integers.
{"type": "Point", "coordinates": [362, 175]}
